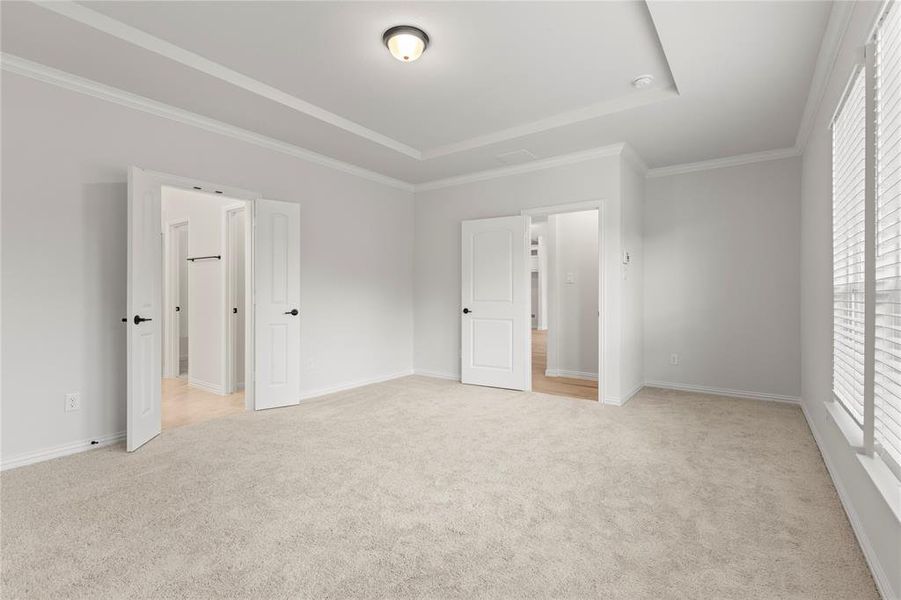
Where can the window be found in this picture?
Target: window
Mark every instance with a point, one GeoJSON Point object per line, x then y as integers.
{"type": "Point", "coordinates": [887, 379]}
{"type": "Point", "coordinates": [866, 245]}
{"type": "Point", "coordinates": [848, 224]}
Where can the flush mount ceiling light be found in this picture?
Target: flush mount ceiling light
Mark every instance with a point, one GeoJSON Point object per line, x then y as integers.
{"type": "Point", "coordinates": [406, 43]}
{"type": "Point", "coordinates": [642, 81]}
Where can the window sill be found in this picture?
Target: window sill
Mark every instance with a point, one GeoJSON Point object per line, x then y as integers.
{"type": "Point", "coordinates": [848, 426]}
{"type": "Point", "coordinates": [886, 482]}
{"type": "Point", "coordinates": [881, 475]}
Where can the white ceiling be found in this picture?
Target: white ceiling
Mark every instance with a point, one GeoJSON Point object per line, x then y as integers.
{"type": "Point", "coordinates": [547, 77]}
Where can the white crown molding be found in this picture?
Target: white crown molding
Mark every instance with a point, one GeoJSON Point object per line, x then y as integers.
{"type": "Point", "coordinates": [839, 19]}
{"type": "Point", "coordinates": [39, 72]}
{"type": "Point", "coordinates": [586, 113]}
{"type": "Point", "coordinates": [729, 161]}
{"type": "Point", "coordinates": [113, 27]}
{"type": "Point", "coordinates": [535, 165]}
{"type": "Point", "coordinates": [142, 39]}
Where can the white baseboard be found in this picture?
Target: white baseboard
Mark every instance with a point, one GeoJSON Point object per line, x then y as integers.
{"type": "Point", "coordinates": [723, 392]}
{"type": "Point", "coordinates": [206, 386]}
{"type": "Point", "coordinates": [37, 456]}
{"type": "Point", "coordinates": [324, 391]}
{"type": "Point", "coordinates": [617, 401]}
{"type": "Point", "coordinates": [571, 374]}
{"type": "Point", "coordinates": [438, 374]}
{"type": "Point", "coordinates": [879, 576]}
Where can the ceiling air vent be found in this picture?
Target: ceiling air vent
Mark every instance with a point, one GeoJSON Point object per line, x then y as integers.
{"type": "Point", "coordinates": [516, 157]}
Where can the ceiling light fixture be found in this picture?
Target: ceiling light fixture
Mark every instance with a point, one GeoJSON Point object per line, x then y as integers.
{"type": "Point", "coordinates": [642, 81]}
{"type": "Point", "coordinates": [405, 42]}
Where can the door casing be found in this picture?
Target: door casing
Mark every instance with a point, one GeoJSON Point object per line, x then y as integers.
{"type": "Point", "coordinates": [228, 213]}
{"type": "Point", "coordinates": [248, 199]}
{"type": "Point", "coordinates": [171, 293]}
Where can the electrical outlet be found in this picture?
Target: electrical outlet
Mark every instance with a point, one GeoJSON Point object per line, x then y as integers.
{"type": "Point", "coordinates": [73, 401]}
{"type": "Point", "coordinates": [674, 359]}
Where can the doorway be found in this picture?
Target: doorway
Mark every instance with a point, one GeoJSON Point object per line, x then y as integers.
{"type": "Point", "coordinates": [271, 294]}
{"type": "Point", "coordinates": [564, 264]}
{"type": "Point", "coordinates": [502, 306]}
{"type": "Point", "coordinates": [205, 243]}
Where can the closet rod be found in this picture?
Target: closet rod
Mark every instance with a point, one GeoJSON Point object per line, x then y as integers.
{"type": "Point", "coordinates": [217, 257]}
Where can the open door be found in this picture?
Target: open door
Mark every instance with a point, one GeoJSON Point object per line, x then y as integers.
{"type": "Point", "coordinates": [277, 310]}
{"type": "Point", "coordinates": [496, 303]}
{"type": "Point", "coordinates": [144, 317]}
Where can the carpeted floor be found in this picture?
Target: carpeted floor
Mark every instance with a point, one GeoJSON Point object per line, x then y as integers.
{"type": "Point", "coordinates": [421, 488]}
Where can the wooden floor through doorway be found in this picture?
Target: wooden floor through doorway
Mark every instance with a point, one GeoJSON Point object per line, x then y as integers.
{"type": "Point", "coordinates": [559, 386]}
{"type": "Point", "coordinates": [186, 405]}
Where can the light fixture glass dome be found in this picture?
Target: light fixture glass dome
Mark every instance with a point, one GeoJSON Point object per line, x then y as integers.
{"type": "Point", "coordinates": [406, 43]}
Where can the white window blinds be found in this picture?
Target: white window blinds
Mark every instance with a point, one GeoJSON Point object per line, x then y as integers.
{"type": "Point", "coordinates": [848, 204]}
{"type": "Point", "coordinates": [887, 384]}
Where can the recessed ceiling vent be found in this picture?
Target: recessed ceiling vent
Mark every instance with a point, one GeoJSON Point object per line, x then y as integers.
{"type": "Point", "coordinates": [516, 157]}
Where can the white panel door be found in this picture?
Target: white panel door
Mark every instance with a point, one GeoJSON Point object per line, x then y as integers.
{"type": "Point", "coordinates": [277, 311]}
{"type": "Point", "coordinates": [144, 301]}
{"type": "Point", "coordinates": [496, 303]}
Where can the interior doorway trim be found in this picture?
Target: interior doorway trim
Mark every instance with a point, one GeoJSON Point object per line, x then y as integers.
{"type": "Point", "coordinates": [598, 204]}
{"type": "Point", "coordinates": [228, 213]}
{"type": "Point", "coordinates": [171, 295]}
{"type": "Point", "coordinates": [248, 199]}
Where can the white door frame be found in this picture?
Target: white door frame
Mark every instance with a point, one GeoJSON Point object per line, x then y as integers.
{"type": "Point", "coordinates": [228, 258]}
{"type": "Point", "coordinates": [248, 198]}
{"type": "Point", "coordinates": [602, 317]}
{"type": "Point", "coordinates": [171, 297]}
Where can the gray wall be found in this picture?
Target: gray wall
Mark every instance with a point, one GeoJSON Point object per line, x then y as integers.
{"type": "Point", "coordinates": [64, 252]}
{"type": "Point", "coordinates": [721, 278]}
{"type": "Point", "coordinates": [439, 214]}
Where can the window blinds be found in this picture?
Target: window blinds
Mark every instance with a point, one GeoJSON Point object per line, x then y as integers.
{"type": "Point", "coordinates": [887, 384]}
{"type": "Point", "coordinates": [848, 203]}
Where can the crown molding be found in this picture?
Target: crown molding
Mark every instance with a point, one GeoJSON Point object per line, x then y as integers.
{"type": "Point", "coordinates": [535, 165]}
{"type": "Point", "coordinates": [729, 161]}
{"type": "Point", "coordinates": [137, 37]}
{"type": "Point", "coordinates": [39, 72]}
{"type": "Point", "coordinates": [839, 19]}
{"type": "Point", "coordinates": [578, 115]}
{"type": "Point", "coordinates": [142, 39]}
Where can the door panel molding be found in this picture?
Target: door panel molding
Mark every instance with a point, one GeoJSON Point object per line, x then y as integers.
{"type": "Point", "coordinates": [495, 307]}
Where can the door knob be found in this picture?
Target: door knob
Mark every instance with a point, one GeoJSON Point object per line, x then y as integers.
{"type": "Point", "coordinates": [466, 311]}
{"type": "Point", "coordinates": [139, 319]}
{"type": "Point", "coordinates": [293, 312]}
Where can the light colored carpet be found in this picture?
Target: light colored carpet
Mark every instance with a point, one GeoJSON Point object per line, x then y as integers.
{"type": "Point", "coordinates": [421, 488]}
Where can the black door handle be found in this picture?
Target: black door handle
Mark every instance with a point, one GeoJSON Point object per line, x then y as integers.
{"type": "Point", "coordinates": [139, 319]}
{"type": "Point", "coordinates": [466, 311]}
{"type": "Point", "coordinates": [234, 311]}
{"type": "Point", "coordinates": [293, 312]}
{"type": "Point", "coordinates": [177, 309]}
